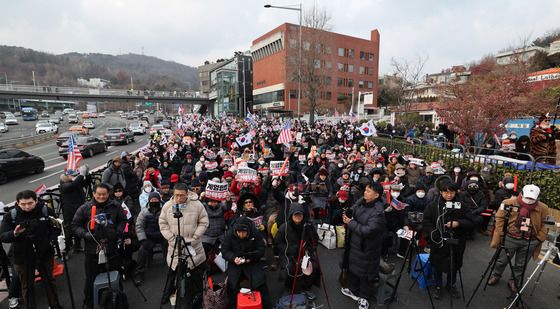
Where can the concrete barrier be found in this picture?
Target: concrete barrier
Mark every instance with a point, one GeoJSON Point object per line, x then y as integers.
{"type": "Point", "coordinates": [22, 142]}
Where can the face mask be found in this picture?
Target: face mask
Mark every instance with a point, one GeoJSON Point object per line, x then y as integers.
{"type": "Point", "coordinates": [201, 159]}
{"type": "Point", "coordinates": [474, 178]}
{"type": "Point", "coordinates": [528, 200]}
{"type": "Point", "coordinates": [395, 194]}
{"type": "Point", "coordinates": [340, 165]}
{"type": "Point", "coordinates": [457, 170]}
{"type": "Point", "coordinates": [165, 165]}
{"type": "Point", "coordinates": [147, 189]}
{"type": "Point", "coordinates": [339, 135]}
{"type": "Point", "coordinates": [154, 204]}
{"type": "Point", "coordinates": [420, 194]}
{"type": "Point", "coordinates": [509, 186]}
{"type": "Point", "coordinates": [399, 173]}
{"type": "Point", "coordinates": [359, 171]}
{"type": "Point", "coordinates": [375, 178]}
{"type": "Point", "coordinates": [545, 126]}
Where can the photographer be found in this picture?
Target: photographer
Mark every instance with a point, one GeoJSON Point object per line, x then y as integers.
{"type": "Point", "coordinates": [521, 240]}
{"type": "Point", "coordinates": [28, 227]}
{"type": "Point", "coordinates": [366, 232]}
{"type": "Point", "coordinates": [109, 224]}
{"type": "Point", "coordinates": [446, 219]}
{"type": "Point", "coordinates": [194, 222]}
{"type": "Point", "coordinates": [243, 248]}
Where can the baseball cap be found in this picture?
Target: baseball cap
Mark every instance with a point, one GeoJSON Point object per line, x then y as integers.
{"type": "Point", "coordinates": [531, 191]}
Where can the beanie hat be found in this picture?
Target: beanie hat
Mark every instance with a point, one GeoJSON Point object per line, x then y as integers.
{"type": "Point", "coordinates": [174, 178]}
{"type": "Point", "coordinates": [124, 154]}
{"type": "Point", "coordinates": [154, 195]}
{"type": "Point", "coordinates": [345, 171]}
{"type": "Point", "coordinates": [399, 166]}
{"type": "Point", "coordinates": [323, 171]}
{"type": "Point", "coordinates": [343, 195]}
{"type": "Point", "coordinates": [228, 174]}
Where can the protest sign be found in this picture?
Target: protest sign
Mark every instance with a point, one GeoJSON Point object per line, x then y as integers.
{"type": "Point", "coordinates": [246, 174]}
{"type": "Point", "coordinates": [276, 168]}
{"type": "Point", "coordinates": [216, 190]}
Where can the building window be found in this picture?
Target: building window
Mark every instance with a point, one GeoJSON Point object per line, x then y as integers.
{"type": "Point", "coordinates": [350, 82]}
{"type": "Point", "coordinates": [351, 68]}
{"type": "Point", "coordinates": [328, 50]}
{"type": "Point", "coordinates": [328, 95]}
{"type": "Point", "coordinates": [370, 85]}
{"type": "Point", "coordinates": [293, 43]}
{"type": "Point", "coordinates": [340, 82]}
{"type": "Point", "coordinates": [341, 52]}
{"type": "Point", "coordinates": [371, 56]}
{"type": "Point", "coordinates": [293, 93]}
{"type": "Point", "coordinates": [317, 64]}
{"type": "Point", "coordinates": [362, 55]}
{"type": "Point", "coordinates": [362, 69]}
{"type": "Point", "coordinates": [361, 84]}
{"type": "Point", "coordinates": [328, 80]}
{"type": "Point", "coordinates": [340, 67]}
{"type": "Point", "coordinates": [306, 45]}
{"type": "Point", "coordinates": [351, 53]}
{"type": "Point", "coordinates": [370, 71]}
{"type": "Point", "coordinates": [328, 65]}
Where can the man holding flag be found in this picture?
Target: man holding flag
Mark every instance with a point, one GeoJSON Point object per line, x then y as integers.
{"type": "Point", "coordinates": [285, 136]}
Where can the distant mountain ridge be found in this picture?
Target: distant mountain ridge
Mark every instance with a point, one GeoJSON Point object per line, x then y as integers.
{"type": "Point", "coordinates": [147, 72]}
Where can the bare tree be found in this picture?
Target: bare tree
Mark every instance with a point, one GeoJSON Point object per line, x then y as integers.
{"type": "Point", "coordinates": [410, 74]}
{"type": "Point", "coordinates": [316, 65]}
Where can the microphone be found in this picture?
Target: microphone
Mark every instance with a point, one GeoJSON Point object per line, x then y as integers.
{"type": "Point", "coordinates": [92, 220]}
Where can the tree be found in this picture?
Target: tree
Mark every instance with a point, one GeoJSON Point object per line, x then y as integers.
{"type": "Point", "coordinates": [410, 74]}
{"type": "Point", "coordinates": [486, 100]}
{"type": "Point", "coordinates": [312, 68]}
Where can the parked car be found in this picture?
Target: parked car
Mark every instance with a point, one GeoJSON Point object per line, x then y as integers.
{"type": "Point", "coordinates": [64, 136]}
{"type": "Point", "coordinates": [118, 135]}
{"type": "Point", "coordinates": [73, 118]}
{"type": "Point", "coordinates": [88, 124]}
{"type": "Point", "coordinates": [45, 114]}
{"type": "Point", "coordinates": [137, 128]}
{"type": "Point", "coordinates": [3, 127]}
{"type": "Point", "coordinates": [46, 128]}
{"type": "Point", "coordinates": [88, 146]}
{"type": "Point", "coordinates": [54, 119]}
{"type": "Point", "coordinates": [79, 130]}
{"type": "Point", "coordinates": [15, 162]}
{"type": "Point", "coordinates": [11, 120]}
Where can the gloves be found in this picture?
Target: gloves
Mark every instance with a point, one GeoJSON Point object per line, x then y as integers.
{"type": "Point", "coordinates": [389, 209]}
{"type": "Point", "coordinates": [261, 227]}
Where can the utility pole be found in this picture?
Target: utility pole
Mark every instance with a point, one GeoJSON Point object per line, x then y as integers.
{"type": "Point", "coordinates": [33, 74]}
{"type": "Point", "coordinates": [131, 84]}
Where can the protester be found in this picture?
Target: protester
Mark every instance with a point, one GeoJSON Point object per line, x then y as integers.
{"type": "Point", "coordinates": [114, 173]}
{"type": "Point", "coordinates": [72, 196]}
{"type": "Point", "coordinates": [543, 141]}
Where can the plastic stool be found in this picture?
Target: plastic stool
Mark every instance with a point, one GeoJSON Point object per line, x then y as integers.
{"type": "Point", "coordinates": [249, 301]}
{"type": "Point", "coordinates": [101, 283]}
{"type": "Point", "coordinates": [416, 272]}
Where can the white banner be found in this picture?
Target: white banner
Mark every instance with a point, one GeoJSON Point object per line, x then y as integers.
{"type": "Point", "coordinates": [216, 190]}
{"type": "Point", "coordinates": [246, 174]}
{"type": "Point", "coordinates": [368, 99]}
{"type": "Point", "coordinates": [276, 166]}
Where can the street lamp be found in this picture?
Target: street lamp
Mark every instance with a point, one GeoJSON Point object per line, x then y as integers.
{"type": "Point", "coordinates": [294, 8]}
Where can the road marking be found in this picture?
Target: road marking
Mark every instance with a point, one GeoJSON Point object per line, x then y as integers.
{"type": "Point", "coordinates": [49, 175]}
{"type": "Point", "coordinates": [110, 153]}
{"type": "Point", "coordinates": [37, 148]}
{"type": "Point", "coordinates": [53, 166]}
{"type": "Point", "coordinates": [57, 158]}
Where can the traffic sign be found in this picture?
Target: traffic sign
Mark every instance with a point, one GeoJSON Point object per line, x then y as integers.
{"type": "Point", "coordinates": [149, 103]}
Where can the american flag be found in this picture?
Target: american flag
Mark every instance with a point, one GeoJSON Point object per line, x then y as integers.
{"type": "Point", "coordinates": [286, 134]}
{"type": "Point", "coordinates": [74, 154]}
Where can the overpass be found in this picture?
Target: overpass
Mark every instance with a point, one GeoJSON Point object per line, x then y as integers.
{"type": "Point", "coordinates": [10, 91]}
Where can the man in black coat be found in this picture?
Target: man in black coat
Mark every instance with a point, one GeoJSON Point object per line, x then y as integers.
{"type": "Point", "coordinates": [366, 232]}
{"type": "Point", "coordinates": [446, 217]}
{"type": "Point", "coordinates": [243, 248]}
{"type": "Point", "coordinates": [28, 227]}
{"type": "Point", "coordinates": [72, 196]}
{"type": "Point", "coordinates": [108, 226]}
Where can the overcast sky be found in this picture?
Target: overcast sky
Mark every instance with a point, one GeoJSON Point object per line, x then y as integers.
{"type": "Point", "coordinates": [192, 31]}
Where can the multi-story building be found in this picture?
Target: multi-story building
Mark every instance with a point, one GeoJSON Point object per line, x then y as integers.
{"type": "Point", "coordinates": [520, 54]}
{"type": "Point", "coordinates": [230, 84]}
{"type": "Point", "coordinates": [345, 65]}
{"type": "Point", "coordinates": [204, 76]}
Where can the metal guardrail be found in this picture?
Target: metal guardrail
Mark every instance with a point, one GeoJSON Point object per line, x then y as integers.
{"type": "Point", "coordinates": [21, 142]}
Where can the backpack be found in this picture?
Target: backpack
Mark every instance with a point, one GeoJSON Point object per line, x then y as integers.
{"type": "Point", "coordinates": [298, 302]}
{"type": "Point", "coordinates": [113, 299]}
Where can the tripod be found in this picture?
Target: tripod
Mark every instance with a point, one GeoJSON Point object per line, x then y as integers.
{"type": "Point", "coordinates": [452, 242]}
{"type": "Point", "coordinates": [182, 271]}
{"type": "Point", "coordinates": [494, 260]}
{"type": "Point", "coordinates": [408, 257]}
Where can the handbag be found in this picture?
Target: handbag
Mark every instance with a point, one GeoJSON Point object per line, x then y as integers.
{"type": "Point", "coordinates": [215, 295]}
{"type": "Point", "coordinates": [327, 235]}
{"type": "Point", "coordinates": [221, 262]}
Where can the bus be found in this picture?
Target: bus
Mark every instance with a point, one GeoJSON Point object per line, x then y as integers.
{"type": "Point", "coordinates": [29, 114]}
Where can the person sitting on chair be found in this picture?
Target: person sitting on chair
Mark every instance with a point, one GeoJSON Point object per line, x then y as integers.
{"type": "Point", "coordinates": [243, 248]}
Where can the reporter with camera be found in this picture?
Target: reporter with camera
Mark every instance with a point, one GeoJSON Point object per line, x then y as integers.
{"type": "Point", "coordinates": [193, 223]}
{"type": "Point", "coordinates": [522, 239]}
{"type": "Point", "coordinates": [447, 222]}
{"type": "Point", "coordinates": [28, 227]}
{"type": "Point", "coordinates": [101, 242]}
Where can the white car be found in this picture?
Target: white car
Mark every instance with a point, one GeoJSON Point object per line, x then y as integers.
{"type": "Point", "coordinates": [46, 128]}
{"type": "Point", "coordinates": [88, 124]}
{"type": "Point", "coordinates": [11, 119]}
{"type": "Point", "coordinates": [41, 123]}
{"type": "Point", "coordinates": [3, 127]}
{"type": "Point", "coordinates": [101, 115]}
{"type": "Point", "coordinates": [54, 119]}
{"type": "Point", "coordinates": [137, 128]}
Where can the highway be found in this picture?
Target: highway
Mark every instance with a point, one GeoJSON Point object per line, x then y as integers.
{"type": "Point", "coordinates": [55, 164]}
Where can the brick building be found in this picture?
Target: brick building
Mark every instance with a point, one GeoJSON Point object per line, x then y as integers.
{"type": "Point", "coordinates": [343, 62]}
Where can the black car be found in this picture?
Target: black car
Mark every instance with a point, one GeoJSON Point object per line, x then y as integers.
{"type": "Point", "coordinates": [88, 146]}
{"type": "Point", "coordinates": [15, 162]}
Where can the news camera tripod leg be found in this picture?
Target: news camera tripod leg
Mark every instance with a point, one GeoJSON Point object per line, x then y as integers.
{"type": "Point", "coordinates": [67, 271]}
{"type": "Point", "coordinates": [537, 282]}
{"type": "Point", "coordinates": [415, 246]}
{"type": "Point", "coordinates": [169, 271]}
{"type": "Point", "coordinates": [393, 295]}
{"type": "Point", "coordinates": [461, 281]}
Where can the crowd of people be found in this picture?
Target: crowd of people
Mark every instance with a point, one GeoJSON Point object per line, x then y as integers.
{"type": "Point", "coordinates": [251, 192]}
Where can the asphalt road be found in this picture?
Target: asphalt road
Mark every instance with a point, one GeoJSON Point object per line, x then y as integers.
{"type": "Point", "coordinates": [55, 164]}
{"type": "Point", "coordinates": [27, 128]}
{"type": "Point", "coordinates": [477, 256]}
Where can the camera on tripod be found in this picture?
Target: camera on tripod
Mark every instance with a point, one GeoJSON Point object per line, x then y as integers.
{"type": "Point", "coordinates": [415, 217]}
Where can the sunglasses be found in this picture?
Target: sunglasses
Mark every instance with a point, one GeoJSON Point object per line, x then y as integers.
{"type": "Point", "coordinates": [119, 190]}
{"type": "Point", "coordinates": [248, 202]}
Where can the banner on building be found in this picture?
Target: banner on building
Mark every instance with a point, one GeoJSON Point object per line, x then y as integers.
{"type": "Point", "coordinates": [368, 99]}
{"type": "Point", "coordinates": [216, 190]}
